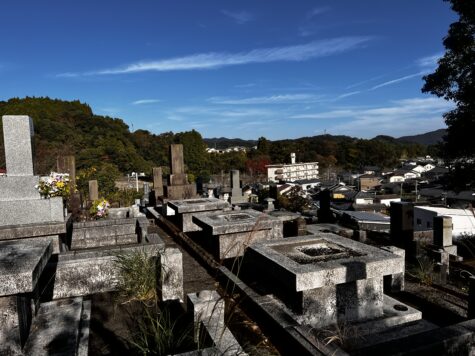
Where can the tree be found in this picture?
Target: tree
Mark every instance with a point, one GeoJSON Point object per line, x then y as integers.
{"type": "Point", "coordinates": [454, 80]}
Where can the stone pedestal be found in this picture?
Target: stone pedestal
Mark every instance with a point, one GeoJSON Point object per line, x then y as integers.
{"type": "Point", "coordinates": [20, 202]}
{"type": "Point", "coordinates": [230, 232]}
{"type": "Point", "coordinates": [325, 278]}
{"type": "Point", "coordinates": [21, 265]}
{"type": "Point", "coordinates": [186, 209]}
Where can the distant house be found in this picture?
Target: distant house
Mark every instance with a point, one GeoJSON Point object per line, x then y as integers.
{"type": "Point", "coordinates": [363, 220]}
{"type": "Point", "coordinates": [307, 184]}
{"type": "Point", "coordinates": [368, 182]}
{"type": "Point", "coordinates": [401, 175]}
{"type": "Point", "coordinates": [386, 199]}
{"type": "Point", "coordinates": [436, 173]}
{"type": "Point", "coordinates": [463, 220]}
{"type": "Point", "coordinates": [364, 198]}
{"type": "Point", "coordinates": [371, 170]}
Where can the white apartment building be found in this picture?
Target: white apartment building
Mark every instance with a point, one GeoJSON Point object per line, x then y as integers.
{"type": "Point", "coordinates": [293, 171]}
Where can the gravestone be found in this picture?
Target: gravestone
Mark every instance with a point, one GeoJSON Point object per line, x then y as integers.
{"type": "Point", "coordinates": [20, 201]}
{"type": "Point", "coordinates": [178, 186]}
{"type": "Point", "coordinates": [93, 190]}
{"type": "Point", "coordinates": [157, 182]}
{"type": "Point", "coordinates": [67, 164]}
{"type": "Point", "coordinates": [236, 191]}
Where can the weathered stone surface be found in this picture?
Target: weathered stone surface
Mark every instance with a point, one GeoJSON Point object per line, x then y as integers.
{"type": "Point", "coordinates": [86, 272]}
{"type": "Point", "coordinates": [196, 205]}
{"type": "Point", "coordinates": [15, 320]}
{"type": "Point", "coordinates": [17, 134]}
{"type": "Point", "coordinates": [175, 192]}
{"type": "Point", "coordinates": [395, 282]}
{"type": "Point", "coordinates": [442, 231]}
{"type": "Point", "coordinates": [32, 230]}
{"type": "Point", "coordinates": [208, 310]}
{"type": "Point", "coordinates": [236, 191]}
{"type": "Point", "coordinates": [93, 190]}
{"type": "Point", "coordinates": [85, 276]}
{"type": "Point", "coordinates": [176, 159]}
{"type": "Point", "coordinates": [171, 274]}
{"type": "Point", "coordinates": [21, 263]}
{"type": "Point", "coordinates": [19, 212]}
{"type": "Point", "coordinates": [326, 278]}
{"type": "Point", "coordinates": [55, 330]}
{"type": "Point", "coordinates": [232, 231]}
{"type": "Point", "coordinates": [157, 181]}
{"type": "Point", "coordinates": [67, 164]}
{"type": "Point", "coordinates": [229, 222]}
{"type": "Point", "coordinates": [19, 188]}
{"type": "Point", "coordinates": [186, 209]}
{"type": "Point", "coordinates": [355, 261]}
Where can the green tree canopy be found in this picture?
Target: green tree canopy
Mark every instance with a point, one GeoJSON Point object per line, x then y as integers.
{"type": "Point", "coordinates": [454, 80]}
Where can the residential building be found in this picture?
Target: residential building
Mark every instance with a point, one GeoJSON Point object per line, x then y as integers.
{"type": "Point", "coordinates": [368, 182]}
{"type": "Point", "coordinates": [463, 220]}
{"type": "Point", "coordinates": [292, 172]}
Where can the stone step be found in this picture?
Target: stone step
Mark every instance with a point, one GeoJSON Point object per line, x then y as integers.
{"type": "Point", "coordinates": [60, 328]}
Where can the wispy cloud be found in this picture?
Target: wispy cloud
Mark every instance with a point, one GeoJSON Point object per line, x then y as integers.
{"type": "Point", "coordinates": [240, 17]}
{"type": "Point", "coordinates": [398, 80]}
{"type": "Point", "coordinates": [429, 61]}
{"type": "Point", "coordinates": [317, 11]}
{"type": "Point", "coordinates": [345, 95]}
{"type": "Point", "coordinates": [215, 60]}
{"type": "Point", "coordinates": [145, 101]}
{"type": "Point", "coordinates": [273, 99]}
{"type": "Point", "coordinates": [397, 119]}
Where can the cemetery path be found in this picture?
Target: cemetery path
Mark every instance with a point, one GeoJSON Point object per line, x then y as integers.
{"type": "Point", "coordinates": [195, 276]}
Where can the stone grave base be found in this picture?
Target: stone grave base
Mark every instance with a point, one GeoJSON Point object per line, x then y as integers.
{"type": "Point", "coordinates": [33, 211]}
{"type": "Point", "coordinates": [233, 245]}
{"type": "Point", "coordinates": [60, 328]}
{"type": "Point", "coordinates": [108, 232]}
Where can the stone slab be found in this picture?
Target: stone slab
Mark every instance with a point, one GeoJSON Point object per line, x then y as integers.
{"type": "Point", "coordinates": [92, 242]}
{"type": "Point", "coordinates": [87, 272]}
{"type": "Point", "coordinates": [17, 137]}
{"type": "Point", "coordinates": [104, 222]}
{"type": "Point", "coordinates": [21, 212]}
{"type": "Point", "coordinates": [176, 192]}
{"type": "Point", "coordinates": [234, 245]}
{"type": "Point", "coordinates": [19, 188]}
{"type": "Point", "coordinates": [55, 330]}
{"type": "Point", "coordinates": [350, 261]}
{"type": "Point", "coordinates": [21, 263]}
{"type": "Point", "coordinates": [229, 222]}
{"type": "Point", "coordinates": [81, 277]}
{"type": "Point", "coordinates": [197, 205]}
{"type": "Point", "coordinates": [32, 230]}
{"type": "Point", "coordinates": [171, 274]}
{"type": "Point", "coordinates": [15, 320]}
{"type": "Point", "coordinates": [104, 231]}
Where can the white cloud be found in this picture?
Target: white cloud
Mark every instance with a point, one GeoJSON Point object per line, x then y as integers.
{"type": "Point", "coordinates": [145, 101]}
{"type": "Point", "coordinates": [396, 120]}
{"type": "Point", "coordinates": [274, 99]}
{"type": "Point", "coordinates": [348, 94]}
{"type": "Point", "coordinates": [240, 17]}
{"type": "Point", "coordinates": [215, 60]}
{"type": "Point", "coordinates": [398, 80]}
{"type": "Point", "coordinates": [429, 61]}
{"type": "Point", "coordinates": [317, 11]}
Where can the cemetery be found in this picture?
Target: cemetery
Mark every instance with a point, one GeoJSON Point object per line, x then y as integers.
{"type": "Point", "coordinates": [179, 273]}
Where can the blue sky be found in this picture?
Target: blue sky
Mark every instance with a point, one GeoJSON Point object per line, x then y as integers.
{"type": "Point", "coordinates": [273, 68]}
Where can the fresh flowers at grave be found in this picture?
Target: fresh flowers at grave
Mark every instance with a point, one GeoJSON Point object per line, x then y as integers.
{"type": "Point", "coordinates": [55, 185]}
{"type": "Point", "coordinates": [99, 209]}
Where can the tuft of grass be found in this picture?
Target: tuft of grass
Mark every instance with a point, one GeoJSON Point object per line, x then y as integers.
{"type": "Point", "coordinates": [423, 270]}
{"type": "Point", "coordinates": [339, 334]}
{"type": "Point", "coordinates": [137, 276]}
{"type": "Point", "coordinates": [158, 333]}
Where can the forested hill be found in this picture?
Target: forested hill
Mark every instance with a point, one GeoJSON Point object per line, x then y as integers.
{"type": "Point", "coordinates": [70, 127]}
{"type": "Point", "coordinates": [428, 138]}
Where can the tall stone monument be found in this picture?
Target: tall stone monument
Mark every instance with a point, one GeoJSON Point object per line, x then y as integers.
{"type": "Point", "coordinates": [20, 201]}
{"type": "Point", "coordinates": [236, 191]}
{"type": "Point", "coordinates": [178, 186]}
